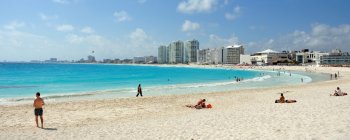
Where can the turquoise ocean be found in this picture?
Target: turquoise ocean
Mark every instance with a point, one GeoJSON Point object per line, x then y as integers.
{"type": "Point", "coordinates": [20, 81]}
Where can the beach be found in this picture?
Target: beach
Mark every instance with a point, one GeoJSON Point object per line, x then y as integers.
{"type": "Point", "coordinates": [240, 114]}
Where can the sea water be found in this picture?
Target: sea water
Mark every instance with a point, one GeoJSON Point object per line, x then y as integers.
{"type": "Point", "coordinates": [20, 81]}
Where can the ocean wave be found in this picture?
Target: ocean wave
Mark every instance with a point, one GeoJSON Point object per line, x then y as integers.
{"type": "Point", "coordinates": [199, 85]}
{"type": "Point", "coordinates": [67, 95]}
{"type": "Point", "coordinates": [258, 79]}
{"type": "Point", "coordinates": [3, 87]}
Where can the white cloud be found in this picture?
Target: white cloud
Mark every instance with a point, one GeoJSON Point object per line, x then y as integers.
{"type": "Point", "coordinates": [22, 46]}
{"type": "Point", "coordinates": [215, 41]}
{"type": "Point", "coordinates": [87, 30]}
{"type": "Point", "coordinates": [235, 14]}
{"type": "Point", "coordinates": [65, 28]}
{"type": "Point", "coordinates": [47, 17]}
{"type": "Point", "coordinates": [321, 38]}
{"type": "Point", "coordinates": [196, 6]}
{"type": "Point", "coordinates": [74, 39]}
{"type": "Point", "coordinates": [61, 1]}
{"type": "Point", "coordinates": [190, 26]}
{"type": "Point", "coordinates": [140, 44]}
{"type": "Point", "coordinates": [36, 47]}
{"type": "Point", "coordinates": [122, 16]}
{"type": "Point", "coordinates": [138, 35]}
{"type": "Point", "coordinates": [14, 25]}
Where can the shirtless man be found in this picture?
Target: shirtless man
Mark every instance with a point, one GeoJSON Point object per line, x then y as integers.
{"type": "Point", "coordinates": [38, 111]}
{"type": "Point", "coordinates": [282, 100]}
{"type": "Point", "coordinates": [200, 104]}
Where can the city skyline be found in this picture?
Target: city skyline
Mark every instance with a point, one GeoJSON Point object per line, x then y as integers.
{"type": "Point", "coordinates": [72, 29]}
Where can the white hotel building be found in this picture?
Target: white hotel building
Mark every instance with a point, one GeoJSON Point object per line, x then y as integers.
{"type": "Point", "coordinates": [268, 57]}
{"type": "Point", "coordinates": [179, 52]}
{"type": "Point", "coordinates": [222, 55]}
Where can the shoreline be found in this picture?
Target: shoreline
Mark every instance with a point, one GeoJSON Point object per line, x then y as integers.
{"type": "Point", "coordinates": [242, 114]}
{"type": "Point", "coordinates": [114, 93]}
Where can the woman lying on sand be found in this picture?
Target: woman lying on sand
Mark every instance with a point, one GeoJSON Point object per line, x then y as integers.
{"type": "Point", "coordinates": [338, 92]}
{"type": "Point", "coordinates": [200, 104]}
{"type": "Point", "coordinates": [282, 100]}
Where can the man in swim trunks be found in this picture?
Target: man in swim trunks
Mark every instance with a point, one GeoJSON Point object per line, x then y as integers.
{"type": "Point", "coordinates": [282, 98]}
{"type": "Point", "coordinates": [38, 111]}
{"type": "Point", "coordinates": [201, 103]}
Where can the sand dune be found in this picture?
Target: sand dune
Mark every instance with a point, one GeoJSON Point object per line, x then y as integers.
{"type": "Point", "coordinates": [243, 114]}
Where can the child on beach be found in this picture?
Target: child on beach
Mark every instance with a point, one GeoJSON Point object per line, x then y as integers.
{"type": "Point", "coordinates": [38, 111]}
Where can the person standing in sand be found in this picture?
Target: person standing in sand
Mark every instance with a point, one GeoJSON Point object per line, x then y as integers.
{"type": "Point", "coordinates": [38, 111]}
{"type": "Point", "coordinates": [139, 90]}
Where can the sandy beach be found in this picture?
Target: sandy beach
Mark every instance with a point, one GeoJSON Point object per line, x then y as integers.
{"type": "Point", "coordinates": [242, 114]}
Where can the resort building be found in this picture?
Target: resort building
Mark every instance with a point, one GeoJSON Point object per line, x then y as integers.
{"type": "Point", "coordinates": [216, 56]}
{"type": "Point", "coordinates": [245, 59]}
{"type": "Point", "coordinates": [269, 57]}
{"type": "Point", "coordinates": [150, 59]}
{"type": "Point", "coordinates": [176, 52]}
{"type": "Point", "coordinates": [210, 56]}
{"type": "Point", "coordinates": [231, 54]}
{"type": "Point", "coordinates": [336, 58]}
{"type": "Point", "coordinates": [191, 51]}
{"type": "Point", "coordinates": [138, 60]}
{"type": "Point", "coordinates": [91, 59]}
{"type": "Point", "coordinates": [203, 56]}
{"type": "Point", "coordinates": [162, 54]}
{"type": "Point", "coordinates": [309, 57]}
{"type": "Point", "coordinates": [222, 55]}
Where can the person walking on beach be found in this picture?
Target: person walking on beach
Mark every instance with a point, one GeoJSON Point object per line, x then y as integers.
{"type": "Point", "coordinates": [38, 111]}
{"type": "Point", "coordinates": [331, 76]}
{"type": "Point", "coordinates": [139, 90]}
{"type": "Point", "coordinates": [335, 75]}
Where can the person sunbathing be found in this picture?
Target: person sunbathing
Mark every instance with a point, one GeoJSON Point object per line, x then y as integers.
{"type": "Point", "coordinates": [282, 100]}
{"type": "Point", "coordinates": [338, 92]}
{"type": "Point", "coordinates": [200, 104]}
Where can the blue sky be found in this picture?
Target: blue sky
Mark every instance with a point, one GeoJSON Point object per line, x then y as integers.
{"type": "Point", "coordinates": [72, 29]}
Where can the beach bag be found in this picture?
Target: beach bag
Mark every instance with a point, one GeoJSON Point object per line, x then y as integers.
{"type": "Point", "coordinates": [209, 106]}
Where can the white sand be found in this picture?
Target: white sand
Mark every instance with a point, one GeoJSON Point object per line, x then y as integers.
{"type": "Point", "coordinates": [243, 114]}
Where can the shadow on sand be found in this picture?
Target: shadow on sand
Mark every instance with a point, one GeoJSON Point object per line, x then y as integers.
{"type": "Point", "coordinates": [50, 128]}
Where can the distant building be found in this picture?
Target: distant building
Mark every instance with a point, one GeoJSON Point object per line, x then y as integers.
{"type": "Point", "coordinates": [204, 56]}
{"type": "Point", "coordinates": [231, 54]}
{"type": "Point", "coordinates": [245, 59]}
{"type": "Point", "coordinates": [222, 55]}
{"type": "Point", "coordinates": [176, 52]}
{"type": "Point", "coordinates": [336, 57]}
{"type": "Point", "coordinates": [51, 60]}
{"type": "Point", "coordinates": [216, 56]}
{"type": "Point", "coordinates": [305, 56]}
{"type": "Point", "coordinates": [150, 59]}
{"type": "Point", "coordinates": [139, 60]}
{"type": "Point", "coordinates": [126, 61]}
{"type": "Point", "coordinates": [162, 54]}
{"type": "Point", "coordinates": [107, 61]}
{"type": "Point", "coordinates": [191, 51]}
{"type": "Point", "coordinates": [91, 59]}
{"type": "Point", "coordinates": [269, 57]}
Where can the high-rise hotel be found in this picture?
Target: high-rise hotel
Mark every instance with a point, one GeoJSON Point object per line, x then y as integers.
{"type": "Point", "coordinates": [162, 54]}
{"type": "Point", "coordinates": [179, 52]}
